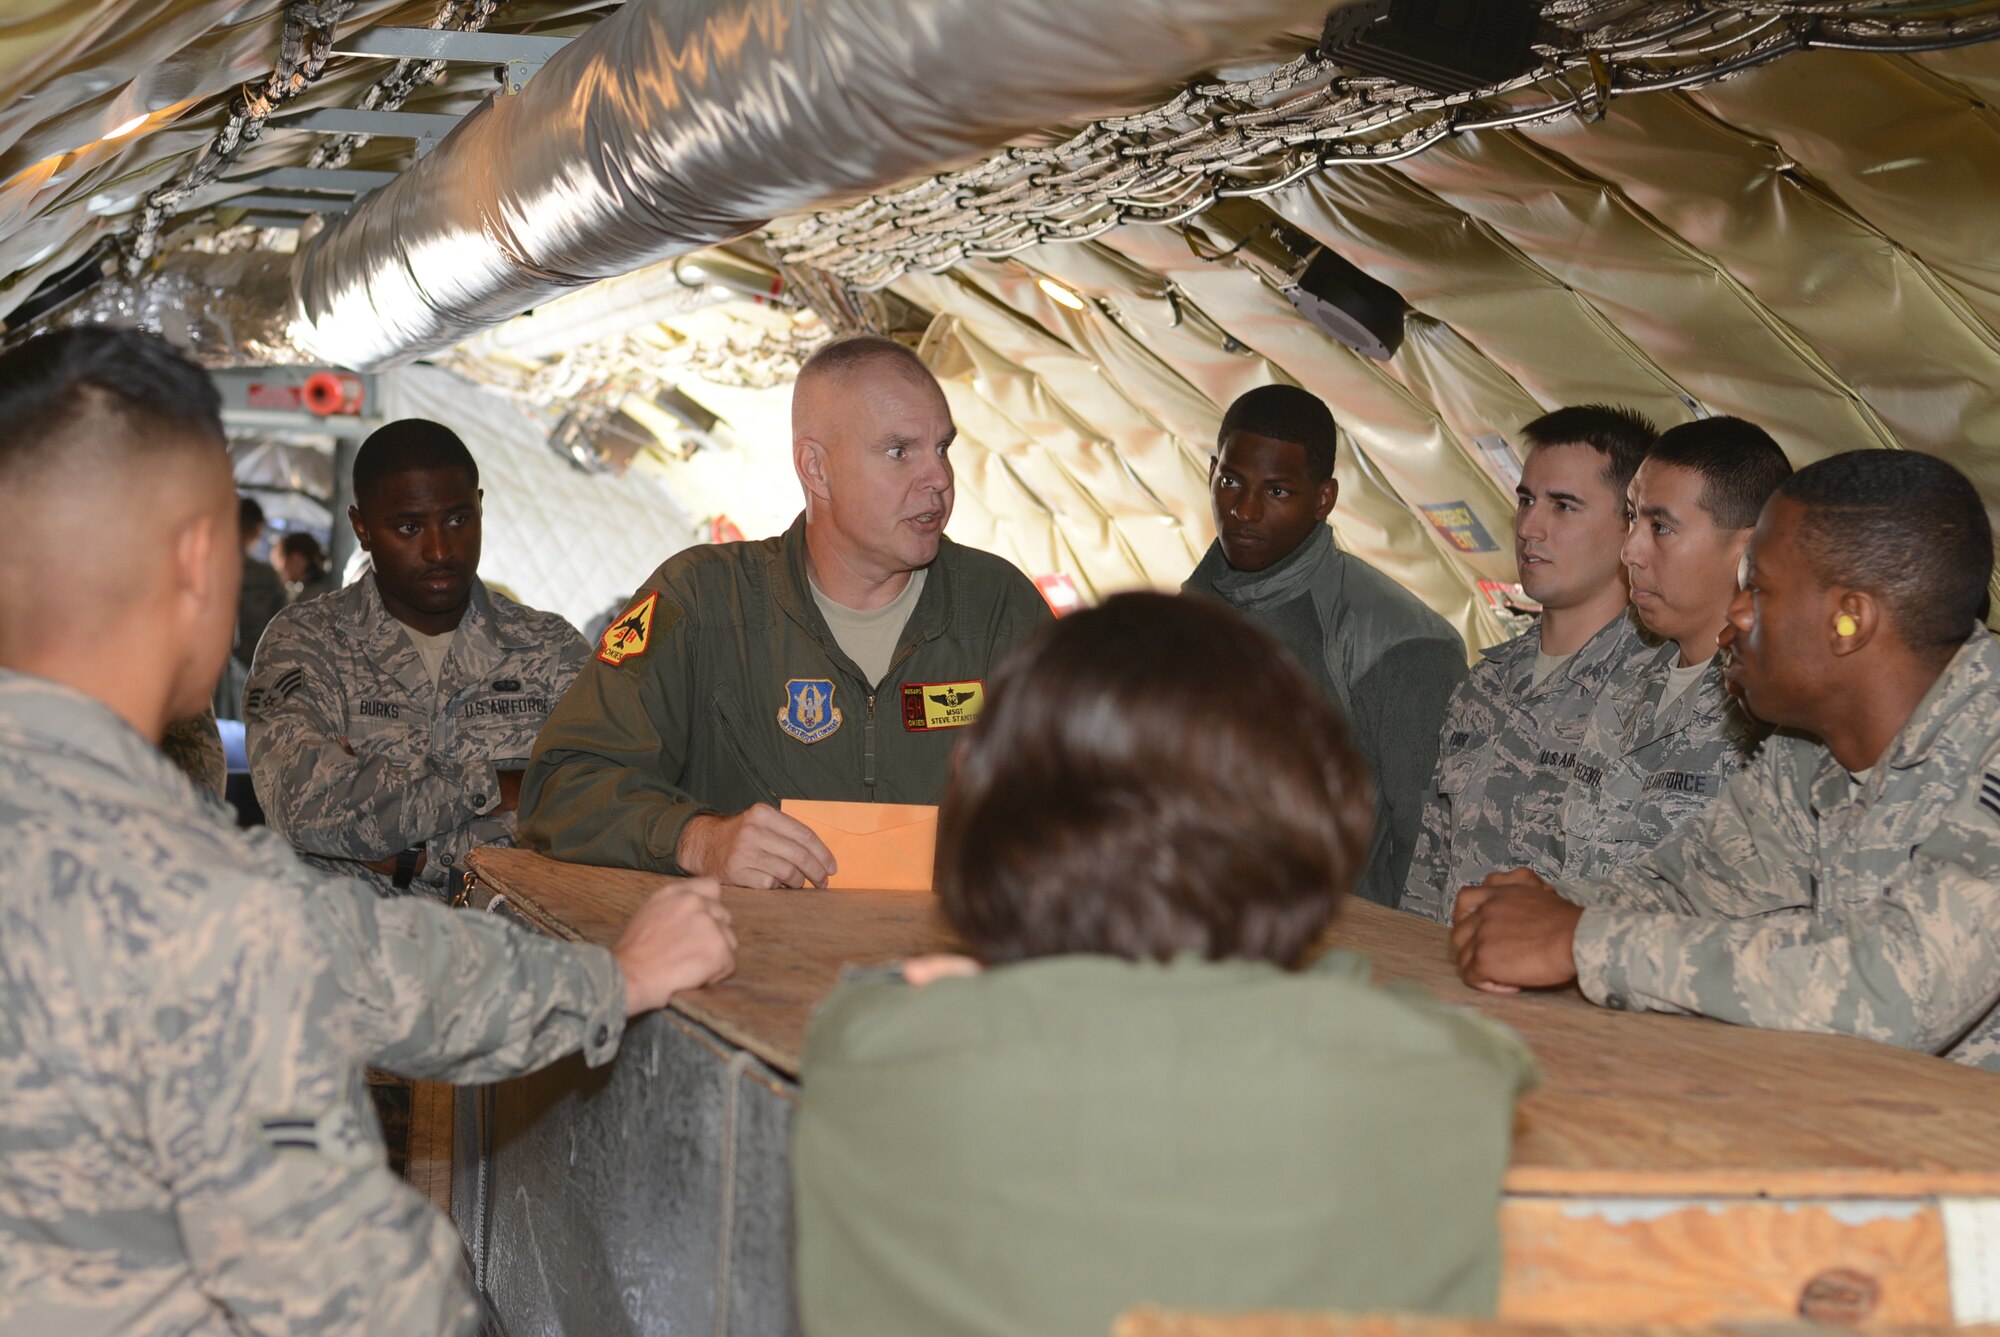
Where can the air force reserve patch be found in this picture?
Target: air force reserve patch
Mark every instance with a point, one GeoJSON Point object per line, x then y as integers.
{"type": "Point", "coordinates": [809, 714]}
{"type": "Point", "coordinates": [941, 705]}
{"type": "Point", "coordinates": [628, 637]}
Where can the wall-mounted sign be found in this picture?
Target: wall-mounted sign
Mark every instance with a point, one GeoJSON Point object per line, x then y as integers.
{"type": "Point", "coordinates": [1460, 527]}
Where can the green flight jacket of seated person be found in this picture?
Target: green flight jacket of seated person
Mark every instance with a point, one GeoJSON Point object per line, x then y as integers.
{"type": "Point", "coordinates": [1388, 662]}
{"type": "Point", "coordinates": [1032, 1151]}
{"type": "Point", "coordinates": [722, 687]}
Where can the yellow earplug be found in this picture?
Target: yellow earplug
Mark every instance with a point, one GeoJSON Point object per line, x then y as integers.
{"type": "Point", "coordinates": [1845, 625]}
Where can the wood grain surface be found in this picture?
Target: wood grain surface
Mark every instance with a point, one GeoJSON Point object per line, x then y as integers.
{"type": "Point", "coordinates": [1630, 1104]}
{"type": "Point", "coordinates": [1571, 1260]}
{"type": "Point", "coordinates": [1161, 1323]}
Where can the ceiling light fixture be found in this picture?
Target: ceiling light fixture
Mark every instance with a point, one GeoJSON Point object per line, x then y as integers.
{"type": "Point", "coordinates": [1060, 295]}
{"type": "Point", "coordinates": [129, 126]}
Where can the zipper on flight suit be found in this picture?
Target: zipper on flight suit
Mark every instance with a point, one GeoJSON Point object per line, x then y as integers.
{"type": "Point", "coordinates": [868, 724]}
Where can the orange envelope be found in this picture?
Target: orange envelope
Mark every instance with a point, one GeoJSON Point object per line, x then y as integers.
{"type": "Point", "coordinates": [876, 846]}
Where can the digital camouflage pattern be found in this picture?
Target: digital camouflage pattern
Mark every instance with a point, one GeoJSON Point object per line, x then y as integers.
{"type": "Point", "coordinates": [196, 747]}
{"type": "Point", "coordinates": [186, 1143]}
{"type": "Point", "coordinates": [1505, 760]}
{"type": "Point", "coordinates": [721, 686]}
{"type": "Point", "coordinates": [1805, 901]}
{"type": "Point", "coordinates": [1379, 654]}
{"type": "Point", "coordinates": [357, 755]}
{"type": "Point", "coordinates": [1648, 764]}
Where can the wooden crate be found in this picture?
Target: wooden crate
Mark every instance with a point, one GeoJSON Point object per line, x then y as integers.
{"type": "Point", "coordinates": [1670, 1170]}
{"type": "Point", "coordinates": [1160, 1323]}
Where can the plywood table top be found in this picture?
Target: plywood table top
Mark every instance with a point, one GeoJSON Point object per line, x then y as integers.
{"type": "Point", "coordinates": [1630, 1105]}
{"type": "Point", "coordinates": [1161, 1323]}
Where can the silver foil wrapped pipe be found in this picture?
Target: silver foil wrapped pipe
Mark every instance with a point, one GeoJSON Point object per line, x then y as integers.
{"type": "Point", "coordinates": [675, 124]}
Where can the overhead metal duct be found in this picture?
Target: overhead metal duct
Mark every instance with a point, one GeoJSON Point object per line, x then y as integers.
{"type": "Point", "coordinates": [674, 125]}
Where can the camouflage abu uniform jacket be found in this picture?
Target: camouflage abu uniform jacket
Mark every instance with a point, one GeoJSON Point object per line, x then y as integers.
{"type": "Point", "coordinates": [356, 755]}
{"type": "Point", "coordinates": [722, 687]}
{"type": "Point", "coordinates": [1646, 766]}
{"type": "Point", "coordinates": [1505, 759]}
{"type": "Point", "coordinates": [186, 1142]}
{"type": "Point", "coordinates": [1803, 901]}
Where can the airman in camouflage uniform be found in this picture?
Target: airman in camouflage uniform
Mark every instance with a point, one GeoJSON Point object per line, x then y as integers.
{"type": "Point", "coordinates": [1515, 726]}
{"type": "Point", "coordinates": [1661, 747]}
{"type": "Point", "coordinates": [1647, 767]}
{"type": "Point", "coordinates": [1848, 884]}
{"type": "Point", "coordinates": [1805, 901]}
{"type": "Point", "coordinates": [1506, 758]}
{"type": "Point", "coordinates": [185, 1141]}
{"type": "Point", "coordinates": [184, 1015]}
{"type": "Point", "coordinates": [356, 755]}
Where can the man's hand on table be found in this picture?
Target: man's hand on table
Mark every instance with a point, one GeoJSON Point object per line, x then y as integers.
{"type": "Point", "coordinates": [758, 847]}
{"type": "Point", "coordinates": [921, 970]}
{"type": "Point", "coordinates": [679, 940]}
{"type": "Point", "coordinates": [1513, 932]}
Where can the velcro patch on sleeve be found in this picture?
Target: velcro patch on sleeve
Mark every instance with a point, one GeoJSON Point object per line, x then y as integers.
{"type": "Point", "coordinates": [628, 637]}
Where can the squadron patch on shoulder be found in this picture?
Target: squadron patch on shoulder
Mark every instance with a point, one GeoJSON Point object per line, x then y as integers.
{"type": "Point", "coordinates": [1989, 792]}
{"type": "Point", "coordinates": [941, 705]}
{"type": "Point", "coordinates": [809, 714]}
{"type": "Point", "coordinates": [628, 637]}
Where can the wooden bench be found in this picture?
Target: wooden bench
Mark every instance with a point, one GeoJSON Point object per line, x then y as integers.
{"type": "Point", "coordinates": [1668, 1170]}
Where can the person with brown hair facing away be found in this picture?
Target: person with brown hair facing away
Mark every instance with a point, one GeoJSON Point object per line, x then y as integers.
{"type": "Point", "coordinates": [1142, 1087]}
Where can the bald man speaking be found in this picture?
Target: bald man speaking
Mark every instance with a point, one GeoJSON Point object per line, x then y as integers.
{"type": "Point", "coordinates": [806, 666]}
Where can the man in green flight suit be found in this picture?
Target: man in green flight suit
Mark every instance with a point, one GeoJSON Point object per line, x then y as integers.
{"type": "Point", "coordinates": [835, 662]}
{"type": "Point", "coordinates": [1371, 646]}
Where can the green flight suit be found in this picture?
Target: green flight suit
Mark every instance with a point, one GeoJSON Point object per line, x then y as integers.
{"type": "Point", "coordinates": [1032, 1151]}
{"type": "Point", "coordinates": [740, 695]}
{"type": "Point", "coordinates": [1378, 653]}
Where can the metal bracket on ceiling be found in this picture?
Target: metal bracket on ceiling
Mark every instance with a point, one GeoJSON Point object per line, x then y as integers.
{"type": "Point", "coordinates": [289, 204]}
{"type": "Point", "coordinates": [516, 58]}
{"type": "Point", "coordinates": [427, 128]}
{"type": "Point", "coordinates": [280, 192]}
{"type": "Point", "coordinates": [339, 181]}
